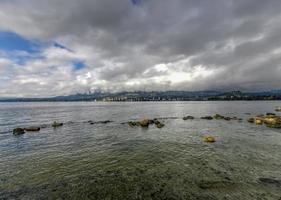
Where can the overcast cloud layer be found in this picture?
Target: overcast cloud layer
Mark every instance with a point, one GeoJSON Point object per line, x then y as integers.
{"type": "Point", "coordinates": [141, 45]}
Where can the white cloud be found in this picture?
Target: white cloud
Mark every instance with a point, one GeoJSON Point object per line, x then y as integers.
{"type": "Point", "coordinates": [167, 45]}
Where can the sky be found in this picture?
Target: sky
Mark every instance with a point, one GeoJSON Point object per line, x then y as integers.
{"type": "Point", "coordinates": [61, 47]}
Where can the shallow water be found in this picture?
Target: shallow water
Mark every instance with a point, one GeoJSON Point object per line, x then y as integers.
{"type": "Point", "coordinates": [114, 161]}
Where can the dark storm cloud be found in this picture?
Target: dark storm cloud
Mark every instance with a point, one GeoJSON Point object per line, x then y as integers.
{"type": "Point", "coordinates": [128, 44]}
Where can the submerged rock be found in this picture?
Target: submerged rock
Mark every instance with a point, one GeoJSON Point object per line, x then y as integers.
{"type": "Point", "coordinates": [207, 117]}
{"type": "Point", "coordinates": [251, 120]}
{"type": "Point", "coordinates": [32, 129]}
{"type": "Point", "coordinates": [209, 138]}
{"type": "Point", "coordinates": [214, 184]}
{"type": "Point", "coordinates": [188, 117]}
{"type": "Point", "coordinates": [18, 131]}
{"type": "Point", "coordinates": [270, 181]}
{"type": "Point", "coordinates": [57, 124]}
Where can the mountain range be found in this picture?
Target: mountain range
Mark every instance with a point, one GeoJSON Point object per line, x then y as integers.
{"type": "Point", "coordinates": [159, 96]}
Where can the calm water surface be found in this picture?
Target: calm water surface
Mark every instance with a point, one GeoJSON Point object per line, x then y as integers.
{"type": "Point", "coordinates": [114, 161]}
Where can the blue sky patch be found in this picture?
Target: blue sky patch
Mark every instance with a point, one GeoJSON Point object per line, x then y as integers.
{"type": "Point", "coordinates": [78, 65]}
{"type": "Point", "coordinates": [12, 42]}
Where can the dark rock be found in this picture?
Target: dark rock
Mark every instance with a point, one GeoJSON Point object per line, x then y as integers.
{"type": "Point", "coordinates": [207, 117]}
{"type": "Point", "coordinates": [227, 118]}
{"type": "Point", "coordinates": [156, 121]}
{"type": "Point", "coordinates": [278, 109]}
{"type": "Point", "coordinates": [132, 123]}
{"type": "Point", "coordinates": [214, 184]}
{"type": "Point", "coordinates": [160, 125]}
{"type": "Point", "coordinates": [251, 120]}
{"type": "Point", "coordinates": [32, 129]}
{"type": "Point", "coordinates": [18, 131]}
{"type": "Point", "coordinates": [57, 124]}
{"type": "Point", "coordinates": [272, 114]}
{"type": "Point", "coordinates": [104, 122]}
{"type": "Point", "coordinates": [188, 117]}
{"type": "Point", "coordinates": [270, 181]}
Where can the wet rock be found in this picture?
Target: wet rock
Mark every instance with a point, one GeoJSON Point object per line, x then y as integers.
{"type": "Point", "coordinates": [18, 131]}
{"type": "Point", "coordinates": [132, 123]}
{"type": "Point", "coordinates": [218, 116]}
{"type": "Point", "coordinates": [207, 117]}
{"type": "Point", "coordinates": [160, 125]}
{"type": "Point", "coordinates": [227, 118]}
{"type": "Point", "coordinates": [32, 129]}
{"type": "Point", "coordinates": [271, 114]}
{"type": "Point", "coordinates": [251, 120]}
{"type": "Point", "coordinates": [57, 124]}
{"type": "Point", "coordinates": [144, 123]}
{"type": "Point", "coordinates": [209, 138]}
{"type": "Point", "coordinates": [258, 121]}
{"type": "Point", "coordinates": [188, 117]}
{"type": "Point", "coordinates": [156, 121]}
{"type": "Point", "coordinates": [278, 109]}
{"type": "Point", "coordinates": [271, 121]}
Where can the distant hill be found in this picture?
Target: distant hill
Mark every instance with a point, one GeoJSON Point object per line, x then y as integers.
{"type": "Point", "coordinates": [159, 96]}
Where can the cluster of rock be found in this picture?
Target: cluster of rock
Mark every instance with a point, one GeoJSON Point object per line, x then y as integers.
{"type": "Point", "coordinates": [218, 116]}
{"type": "Point", "coordinates": [146, 122]}
{"type": "Point", "coordinates": [20, 131]}
{"type": "Point", "coordinates": [270, 120]}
